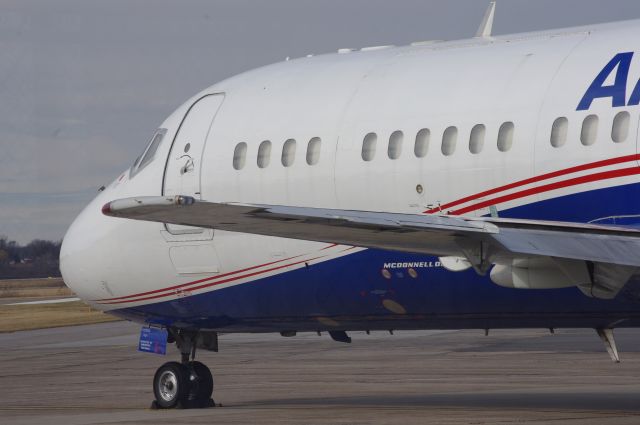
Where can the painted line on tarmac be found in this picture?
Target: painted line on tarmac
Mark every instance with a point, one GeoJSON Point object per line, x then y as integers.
{"type": "Point", "coordinates": [58, 301]}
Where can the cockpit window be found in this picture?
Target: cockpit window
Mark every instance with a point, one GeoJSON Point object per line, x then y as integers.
{"type": "Point", "coordinates": [149, 152]}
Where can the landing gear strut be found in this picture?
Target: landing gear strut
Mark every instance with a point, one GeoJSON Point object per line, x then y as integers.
{"type": "Point", "coordinates": [188, 384]}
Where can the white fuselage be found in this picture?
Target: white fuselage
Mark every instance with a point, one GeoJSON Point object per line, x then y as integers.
{"type": "Point", "coordinates": [446, 120]}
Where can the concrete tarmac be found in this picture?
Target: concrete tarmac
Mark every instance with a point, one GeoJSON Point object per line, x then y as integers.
{"type": "Point", "coordinates": [94, 375]}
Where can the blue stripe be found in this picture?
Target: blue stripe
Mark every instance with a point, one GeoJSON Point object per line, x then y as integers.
{"type": "Point", "coordinates": [353, 291]}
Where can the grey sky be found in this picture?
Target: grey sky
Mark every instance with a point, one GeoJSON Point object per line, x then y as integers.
{"type": "Point", "coordinates": [83, 83]}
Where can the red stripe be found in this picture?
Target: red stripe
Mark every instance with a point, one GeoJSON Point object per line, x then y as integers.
{"type": "Point", "coordinates": [551, 186]}
{"type": "Point", "coordinates": [216, 283]}
{"type": "Point", "coordinates": [330, 246]}
{"type": "Point", "coordinates": [170, 288]}
{"type": "Point", "coordinates": [535, 179]}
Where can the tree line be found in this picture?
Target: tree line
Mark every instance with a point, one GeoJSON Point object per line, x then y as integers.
{"type": "Point", "coordinates": [38, 258]}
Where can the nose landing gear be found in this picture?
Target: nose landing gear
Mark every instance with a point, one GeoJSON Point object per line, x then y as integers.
{"type": "Point", "coordinates": [188, 384]}
{"type": "Point", "coordinates": [176, 385]}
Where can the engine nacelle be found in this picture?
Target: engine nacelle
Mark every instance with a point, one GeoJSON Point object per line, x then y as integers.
{"type": "Point", "coordinates": [531, 274]}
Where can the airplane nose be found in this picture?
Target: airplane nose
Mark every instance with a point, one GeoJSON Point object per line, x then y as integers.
{"type": "Point", "coordinates": [80, 259]}
{"type": "Point", "coordinates": [72, 266]}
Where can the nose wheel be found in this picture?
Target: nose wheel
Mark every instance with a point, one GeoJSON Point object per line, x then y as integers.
{"type": "Point", "coordinates": [171, 385]}
{"type": "Point", "coordinates": [177, 385]}
{"type": "Point", "coordinates": [200, 384]}
{"type": "Point", "coordinates": [183, 385]}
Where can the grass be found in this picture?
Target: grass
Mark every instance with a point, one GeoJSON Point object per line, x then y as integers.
{"type": "Point", "coordinates": [34, 288]}
{"type": "Point", "coordinates": [45, 282]}
{"type": "Point", "coordinates": [40, 316]}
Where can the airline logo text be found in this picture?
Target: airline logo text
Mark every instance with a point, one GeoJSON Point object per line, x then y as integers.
{"type": "Point", "coordinates": [612, 83]}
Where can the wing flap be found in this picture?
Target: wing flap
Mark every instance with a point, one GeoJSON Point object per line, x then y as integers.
{"type": "Point", "coordinates": [605, 247]}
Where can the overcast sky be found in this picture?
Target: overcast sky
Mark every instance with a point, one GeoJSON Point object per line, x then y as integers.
{"type": "Point", "coordinates": [84, 83]}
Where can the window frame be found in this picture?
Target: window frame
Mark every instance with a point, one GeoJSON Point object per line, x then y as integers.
{"type": "Point", "coordinates": [589, 130]}
{"type": "Point", "coordinates": [394, 148]}
{"type": "Point", "coordinates": [421, 143]}
{"type": "Point", "coordinates": [624, 116]}
{"type": "Point", "coordinates": [142, 161]}
{"type": "Point", "coordinates": [449, 140]}
{"type": "Point", "coordinates": [478, 134]}
{"type": "Point", "coordinates": [241, 145]}
{"type": "Point", "coordinates": [266, 159]}
{"type": "Point", "coordinates": [312, 156]}
{"type": "Point", "coordinates": [509, 128]}
{"type": "Point", "coordinates": [560, 127]}
{"type": "Point", "coordinates": [369, 146]}
{"type": "Point", "coordinates": [288, 155]}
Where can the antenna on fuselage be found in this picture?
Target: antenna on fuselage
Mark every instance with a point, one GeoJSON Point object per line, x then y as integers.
{"type": "Point", "coordinates": [486, 26]}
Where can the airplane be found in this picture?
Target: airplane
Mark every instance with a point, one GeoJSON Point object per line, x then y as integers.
{"type": "Point", "coordinates": [485, 183]}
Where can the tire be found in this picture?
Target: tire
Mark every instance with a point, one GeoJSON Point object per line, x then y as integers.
{"type": "Point", "coordinates": [171, 385]}
{"type": "Point", "coordinates": [201, 382]}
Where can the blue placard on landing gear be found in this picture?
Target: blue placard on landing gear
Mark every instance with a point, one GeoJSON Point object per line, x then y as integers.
{"type": "Point", "coordinates": [153, 340]}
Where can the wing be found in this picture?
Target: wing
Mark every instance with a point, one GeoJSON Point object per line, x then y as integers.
{"type": "Point", "coordinates": [600, 259]}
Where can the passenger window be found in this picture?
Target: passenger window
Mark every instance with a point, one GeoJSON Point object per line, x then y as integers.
{"type": "Point", "coordinates": [559, 132]}
{"type": "Point", "coordinates": [395, 145]}
{"type": "Point", "coordinates": [620, 130]}
{"type": "Point", "coordinates": [505, 137]}
{"type": "Point", "coordinates": [449, 140]}
{"type": "Point", "coordinates": [476, 139]}
{"type": "Point", "coordinates": [288, 152]}
{"type": "Point", "coordinates": [369, 146]}
{"type": "Point", "coordinates": [422, 143]}
{"type": "Point", "coordinates": [589, 130]}
{"type": "Point", "coordinates": [264, 154]}
{"type": "Point", "coordinates": [239, 156]}
{"type": "Point", "coordinates": [313, 151]}
{"type": "Point", "coordinates": [148, 153]}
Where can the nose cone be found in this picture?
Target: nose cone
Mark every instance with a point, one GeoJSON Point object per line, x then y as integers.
{"type": "Point", "coordinates": [80, 257]}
